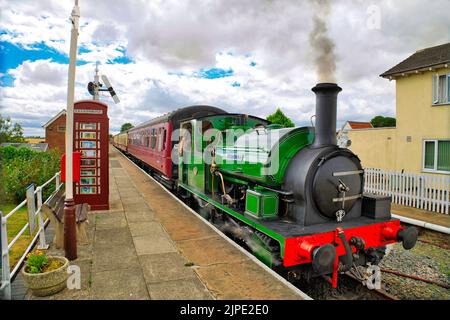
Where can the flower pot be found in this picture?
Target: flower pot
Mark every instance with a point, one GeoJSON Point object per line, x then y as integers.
{"type": "Point", "coordinates": [48, 283]}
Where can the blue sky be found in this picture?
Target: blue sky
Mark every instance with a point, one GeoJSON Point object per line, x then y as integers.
{"type": "Point", "coordinates": [233, 54]}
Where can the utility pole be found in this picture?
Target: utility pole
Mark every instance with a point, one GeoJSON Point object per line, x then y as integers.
{"type": "Point", "coordinates": [70, 235]}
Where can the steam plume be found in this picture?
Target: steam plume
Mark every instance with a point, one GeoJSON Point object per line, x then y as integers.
{"type": "Point", "coordinates": [322, 45]}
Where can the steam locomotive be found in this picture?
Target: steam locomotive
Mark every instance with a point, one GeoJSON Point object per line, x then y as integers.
{"type": "Point", "coordinates": [289, 195]}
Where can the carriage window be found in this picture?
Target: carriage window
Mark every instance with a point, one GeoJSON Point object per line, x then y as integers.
{"type": "Point", "coordinates": [153, 138]}
{"type": "Point", "coordinates": [147, 138]}
{"type": "Point", "coordinates": [160, 139]}
{"type": "Point", "coordinates": [164, 139]}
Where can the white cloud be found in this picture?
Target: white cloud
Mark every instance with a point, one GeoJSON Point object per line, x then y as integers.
{"type": "Point", "coordinates": [182, 37]}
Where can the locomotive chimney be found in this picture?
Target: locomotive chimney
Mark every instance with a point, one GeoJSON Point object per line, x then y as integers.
{"type": "Point", "coordinates": [326, 105]}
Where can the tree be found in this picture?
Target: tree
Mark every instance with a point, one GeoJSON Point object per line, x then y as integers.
{"type": "Point", "coordinates": [380, 122]}
{"type": "Point", "coordinates": [10, 132]}
{"type": "Point", "coordinates": [125, 127]}
{"type": "Point", "coordinates": [278, 117]}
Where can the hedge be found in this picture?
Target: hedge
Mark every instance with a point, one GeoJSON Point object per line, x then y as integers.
{"type": "Point", "coordinates": [20, 167]}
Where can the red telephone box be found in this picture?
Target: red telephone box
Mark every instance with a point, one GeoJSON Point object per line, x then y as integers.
{"type": "Point", "coordinates": [91, 139]}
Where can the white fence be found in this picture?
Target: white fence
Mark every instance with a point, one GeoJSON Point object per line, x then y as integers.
{"type": "Point", "coordinates": [36, 197]}
{"type": "Point", "coordinates": [421, 191]}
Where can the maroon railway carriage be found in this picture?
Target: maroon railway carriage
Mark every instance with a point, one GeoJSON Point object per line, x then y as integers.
{"type": "Point", "coordinates": [151, 143]}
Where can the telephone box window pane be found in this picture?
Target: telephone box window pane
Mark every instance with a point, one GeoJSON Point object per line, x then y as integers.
{"type": "Point", "coordinates": [88, 190]}
{"type": "Point", "coordinates": [88, 172]}
{"type": "Point", "coordinates": [88, 181]}
{"type": "Point", "coordinates": [87, 145]}
{"type": "Point", "coordinates": [88, 126]}
{"type": "Point", "coordinates": [88, 135]}
{"type": "Point", "coordinates": [87, 162]}
{"type": "Point", "coordinates": [89, 153]}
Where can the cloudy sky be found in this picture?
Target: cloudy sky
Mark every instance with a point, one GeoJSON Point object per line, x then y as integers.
{"type": "Point", "coordinates": [247, 56]}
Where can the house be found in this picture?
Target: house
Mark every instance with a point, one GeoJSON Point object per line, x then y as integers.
{"type": "Point", "coordinates": [342, 136]}
{"type": "Point", "coordinates": [420, 142]}
{"type": "Point", "coordinates": [55, 132]}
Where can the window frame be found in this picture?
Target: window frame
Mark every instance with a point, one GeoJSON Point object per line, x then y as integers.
{"type": "Point", "coordinates": [436, 91]}
{"type": "Point", "coordinates": [435, 161]}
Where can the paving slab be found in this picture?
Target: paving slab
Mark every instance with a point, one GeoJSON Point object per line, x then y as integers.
{"type": "Point", "coordinates": [136, 206]}
{"type": "Point", "coordinates": [150, 244]}
{"type": "Point", "coordinates": [123, 284]}
{"type": "Point", "coordinates": [110, 220]}
{"type": "Point", "coordinates": [143, 228]}
{"type": "Point", "coordinates": [189, 289]}
{"type": "Point", "coordinates": [242, 280]}
{"type": "Point", "coordinates": [108, 238]}
{"type": "Point", "coordinates": [140, 216]}
{"type": "Point", "coordinates": [116, 258]}
{"type": "Point", "coordinates": [165, 267]}
{"type": "Point", "coordinates": [219, 251]}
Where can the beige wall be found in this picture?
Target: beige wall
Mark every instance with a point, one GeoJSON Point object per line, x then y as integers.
{"type": "Point", "coordinates": [375, 147]}
{"type": "Point", "coordinates": [416, 117]}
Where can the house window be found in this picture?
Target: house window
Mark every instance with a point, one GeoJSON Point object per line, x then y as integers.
{"type": "Point", "coordinates": [436, 156]}
{"type": "Point", "coordinates": [61, 128]}
{"type": "Point", "coordinates": [441, 89]}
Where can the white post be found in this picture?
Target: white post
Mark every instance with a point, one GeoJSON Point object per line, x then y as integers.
{"type": "Point", "coordinates": [42, 243]}
{"type": "Point", "coordinates": [70, 101]}
{"type": "Point", "coordinates": [6, 275]}
{"type": "Point", "coordinates": [57, 180]}
{"type": "Point", "coordinates": [69, 210]}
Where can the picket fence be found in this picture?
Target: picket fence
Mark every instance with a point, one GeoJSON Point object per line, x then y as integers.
{"type": "Point", "coordinates": [416, 190]}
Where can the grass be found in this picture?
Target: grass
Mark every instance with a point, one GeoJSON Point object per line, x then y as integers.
{"type": "Point", "coordinates": [15, 223]}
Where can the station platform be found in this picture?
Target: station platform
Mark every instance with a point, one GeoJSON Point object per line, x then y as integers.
{"type": "Point", "coordinates": [442, 221]}
{"type": "Point", "coordinates": [149, 246]}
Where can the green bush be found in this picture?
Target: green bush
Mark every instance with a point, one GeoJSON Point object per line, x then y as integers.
{"type": "Point", "coordinates": [20, 167]}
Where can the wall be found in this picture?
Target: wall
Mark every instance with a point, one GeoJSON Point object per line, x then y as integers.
{"type": "Point", "coordinates": [418, 118]}
{"type": "Point", "coordinates": [375, 147]}
{"type": "Point", "coordinates": [54, 138]}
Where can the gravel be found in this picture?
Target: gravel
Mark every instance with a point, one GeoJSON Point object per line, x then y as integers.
{"type": "Point", "coordinates": [429, 260]}
{"type": "Point", "coordinates": [425, 260]}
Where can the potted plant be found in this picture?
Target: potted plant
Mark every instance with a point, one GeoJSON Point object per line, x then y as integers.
{"type": "Point", "coordinates": [45, 275]}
